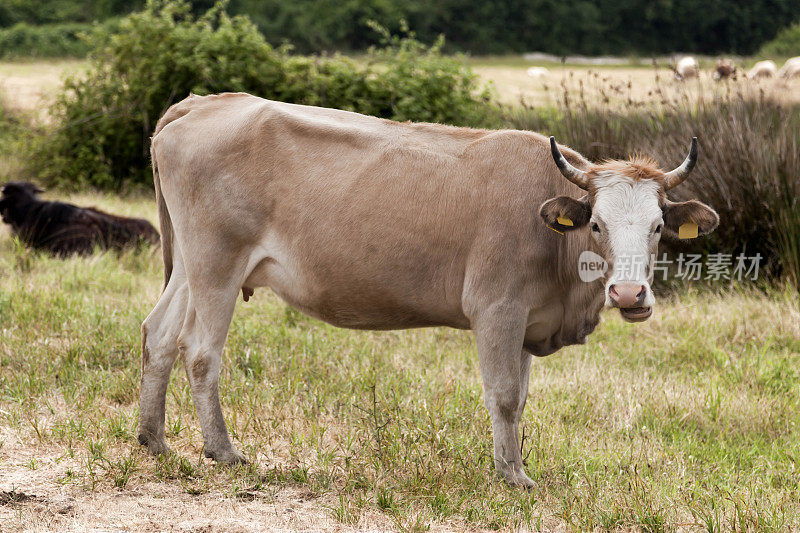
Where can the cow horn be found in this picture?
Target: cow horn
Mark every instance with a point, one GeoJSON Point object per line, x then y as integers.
{"type": "Point", "coordinates": [576, 176]}
{"type": "Point", "coordinates": [677, 176]}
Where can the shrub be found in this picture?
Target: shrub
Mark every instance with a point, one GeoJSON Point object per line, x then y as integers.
{"type": "Point", "coordinates": [37, 12]}
{"type": "Point", "coordinates": [592, 27]}
{"type": "Point", "coordinates": [10, 123]}
{"type": "Point", "coordinates": [15, 134]}
{"type": "Point", "coordinates": [56, 40]}
{"type": "Point", "coordinates": [748, 170]}
{"type": "Point", "coordinates": [156, 57]}
{"type": "Point", "coordinates": [786, 43]}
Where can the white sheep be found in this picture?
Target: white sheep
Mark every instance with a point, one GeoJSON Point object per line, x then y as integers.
{"type": "Point", "coordinates": [538, 72]}
{"type": "Point", "coordinates": [687, 68]}
{"type": "Point", "coordinates": [763, 69]}
{"type": "Point", "coordinates": [791, 68]}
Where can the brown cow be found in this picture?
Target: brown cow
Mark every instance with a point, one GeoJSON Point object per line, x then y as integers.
{"type": "Point", "coordinates": [372, 224]}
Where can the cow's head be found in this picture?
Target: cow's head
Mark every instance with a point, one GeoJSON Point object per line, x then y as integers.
{"type": "Point", "coordinates": [15, 193]}
{"type": "Point", "coordinates": [626, 209]}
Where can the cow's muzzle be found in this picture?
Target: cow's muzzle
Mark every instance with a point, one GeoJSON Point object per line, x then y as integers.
{"type": "Point", "coordinates": [636, 314]}
{"type": "Point", "coordinates": [630, 298]}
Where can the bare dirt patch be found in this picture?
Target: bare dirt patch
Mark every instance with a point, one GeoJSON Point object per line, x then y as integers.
{"type": "Point", "coordinates": [39, 500]}
{"type": "Point", "coordinates": [38, 494]}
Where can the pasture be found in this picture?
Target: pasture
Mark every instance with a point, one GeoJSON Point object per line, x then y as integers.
{"type": "Point", "coordinates": [688, 421]}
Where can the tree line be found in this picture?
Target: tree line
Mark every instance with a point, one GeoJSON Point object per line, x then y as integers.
{"type": "Point", "coordinates": [638, 27]}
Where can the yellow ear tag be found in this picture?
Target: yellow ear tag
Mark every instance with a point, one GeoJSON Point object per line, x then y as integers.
{"type": "Point", "coordinates": [687, 230]}
{"type": "Point", "coordinates": [564, 221]}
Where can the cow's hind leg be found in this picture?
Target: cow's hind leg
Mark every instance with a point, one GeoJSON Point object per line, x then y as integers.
{"type": "Point", "coordinates": [505, 368]}
{"type": "Point", "coordinates": [160, 332]}
{"type": "Point", "coordinates": [201, 342]}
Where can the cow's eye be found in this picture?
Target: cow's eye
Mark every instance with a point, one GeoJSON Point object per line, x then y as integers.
{"type": "Point", "coordinates": [595, 227]}
{"type": "Point", "coordinates": [658, 229]}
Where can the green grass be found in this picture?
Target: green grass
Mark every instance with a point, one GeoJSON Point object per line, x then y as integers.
{"type": "Point", "coordinates": [690, 419]}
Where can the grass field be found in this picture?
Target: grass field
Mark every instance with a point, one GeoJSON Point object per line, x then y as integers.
{"type": "Point", "coordinates": [688, 421]}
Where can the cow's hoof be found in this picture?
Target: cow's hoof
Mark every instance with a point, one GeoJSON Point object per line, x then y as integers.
{"type": "Point", "coordinates": [523, 481]}
{"type": "Point", "coordinates": [518, 479]}
{"type": "Point", "coordinates": [229, 457]}
{"type": "Point", "coordinates": [155, 445]}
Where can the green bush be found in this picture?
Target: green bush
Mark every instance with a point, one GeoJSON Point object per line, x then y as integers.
{"type": "Point", "coordinates": [787, 43]}
{"type": "Point", "coordinates": [556, 26]}
{"type": "Point", "coordinates": [155, 58]}
{"type": "Point", "coordinates": [52, 40]}
{"type": "Point", "coordinates": [479, 26]}
{"type": "Point", "coordinates": [37, 12]}
{"type": "Point", "coordinates": [16, 131]}
{"type": "Point", "coordinates": [9, 123]}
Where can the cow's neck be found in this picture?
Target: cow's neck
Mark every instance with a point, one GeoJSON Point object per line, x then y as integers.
{"type": "Point", "coordinates": [19, 213]}
{"type": "Point", "coordinates": [578, 303]}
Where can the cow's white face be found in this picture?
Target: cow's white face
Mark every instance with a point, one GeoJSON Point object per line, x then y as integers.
{"type": "Point", "coordinates": [626, 211]}
{"type": "Point", "coordinates": [626, 224]}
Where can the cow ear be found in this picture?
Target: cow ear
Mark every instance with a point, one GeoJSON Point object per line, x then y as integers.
{"type": "Point", "coordinates": [564, 213]}
{"type": "Point", "coordinates": [676, 214]}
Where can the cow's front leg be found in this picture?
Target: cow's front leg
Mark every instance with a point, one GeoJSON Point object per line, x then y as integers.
{"type": "Point", "coordinates": [505, 368]}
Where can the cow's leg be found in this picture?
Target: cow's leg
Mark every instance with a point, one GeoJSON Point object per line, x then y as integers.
{"type": "Point", "coordinates": [524, 382]}
{"type": "Point", "coordinates": [208, 317]}
{"type": "Point", "coordinates": [160, 332]}
{"type": "Point", "coordinates": [505, 369]}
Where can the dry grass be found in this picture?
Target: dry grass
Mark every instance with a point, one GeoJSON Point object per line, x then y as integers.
{"type": "Point", "coordinates": [688, 421]}
{"type": "Point", "coordinates": [621, 86]}
{"type": "Point", "coordinates": [31, 85]}
{"type": "Point", "coordinates": [37, 500]}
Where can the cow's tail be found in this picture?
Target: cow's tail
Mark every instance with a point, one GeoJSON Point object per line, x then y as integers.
{"type": "Point", "coordinates": [164, 221]}
{"type": "Point", "coordinates": [172, 114]}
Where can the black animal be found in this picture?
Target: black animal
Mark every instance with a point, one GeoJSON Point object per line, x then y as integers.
{"type": "Point", "coordinates": [65, 229]}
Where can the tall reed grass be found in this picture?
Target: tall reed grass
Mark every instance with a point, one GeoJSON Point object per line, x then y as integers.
{"type": "Point", "coordinates": [749, 166]}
